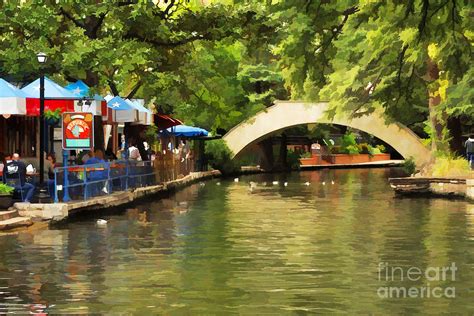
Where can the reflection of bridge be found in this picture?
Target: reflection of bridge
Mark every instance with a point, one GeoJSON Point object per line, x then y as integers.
{"type": "Point", "coordinates": [286, 114]}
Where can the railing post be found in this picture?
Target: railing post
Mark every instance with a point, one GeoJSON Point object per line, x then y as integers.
{"type": "Point", "coordinates": [126, 175]}
{"type": "Point", "coordinates": [109, 180]}
{"type": "Point", "coordinates": [66, 197]}
{"type": "Point", "coordinates": [56, 199]}
{"type": "Point", "coordinates": [86, 195]}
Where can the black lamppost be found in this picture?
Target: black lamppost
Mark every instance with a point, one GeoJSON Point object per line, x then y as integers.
{"type": "Point", "coordinates": [42, 57]}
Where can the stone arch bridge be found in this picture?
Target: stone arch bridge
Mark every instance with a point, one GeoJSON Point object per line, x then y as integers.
{"type": "Point", "coordinates": [284, 114]}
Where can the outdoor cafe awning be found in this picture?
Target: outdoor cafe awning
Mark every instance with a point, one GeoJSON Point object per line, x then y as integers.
{"type": "Point", "coordinates": [86, 101]}
{"type": "Point", "coordinates": [163, 121]}
{"type": "Point", "coordinates": [12, 99]}
{"type": "Point", "coordinates": [123, 111]}
{"type": "Point", "coordinates": [55, 97]}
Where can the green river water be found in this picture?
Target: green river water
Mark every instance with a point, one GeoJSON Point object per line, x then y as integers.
{"type": "Point", "coordinates": [216, 248]}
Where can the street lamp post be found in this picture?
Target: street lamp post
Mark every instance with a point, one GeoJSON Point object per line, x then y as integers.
{"type": "Point", "coordinates": [42, 58]}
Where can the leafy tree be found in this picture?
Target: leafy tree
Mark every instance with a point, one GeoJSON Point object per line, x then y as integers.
{"type": "Point", "coordinates": [406, 58]}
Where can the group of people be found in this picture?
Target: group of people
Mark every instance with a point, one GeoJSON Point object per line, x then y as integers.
{"type": "Point", "coordinates": [16, 170]}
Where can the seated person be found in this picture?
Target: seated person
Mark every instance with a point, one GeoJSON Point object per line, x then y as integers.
{"type": "Point", "coordinates": [14, 174]}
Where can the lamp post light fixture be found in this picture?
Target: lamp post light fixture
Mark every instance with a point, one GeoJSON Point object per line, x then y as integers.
{"type": "Point", "coordinates": [42, 58]}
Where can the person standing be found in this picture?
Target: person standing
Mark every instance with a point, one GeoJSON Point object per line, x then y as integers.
{"type": "Point", "coordinates": [469, 144]}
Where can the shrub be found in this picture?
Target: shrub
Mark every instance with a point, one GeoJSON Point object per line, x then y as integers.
{"type": "Point", "coordinates": [450, 166]}
{"type": "Point", "coordinates": [220, 157]}
{"type": "Point", "coordinates": [409, 166]}
{"type": "Point", "coordinates": [6, 189]}
{"type": "Point", "coordinates": [365, 148]}
{"type": "Point", "coordinates": [349, 144]}
{"type": "Point", "coordinates": [381, 148]}
{"type": "Point", "coordinates": [335, 150]}
{"type": "Point", "coordinates": [306, 154]}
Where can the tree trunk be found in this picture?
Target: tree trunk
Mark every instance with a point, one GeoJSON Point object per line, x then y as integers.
{"type": "Point", "coordinates": [455, 130]}
{"type": "Point", "coordinates": [437, 119]}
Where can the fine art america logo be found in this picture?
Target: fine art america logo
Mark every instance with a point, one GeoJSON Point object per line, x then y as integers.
{"type": "Point", "coordinates": [426, 277]}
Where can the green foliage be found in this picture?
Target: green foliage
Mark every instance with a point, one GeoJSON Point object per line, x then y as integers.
{"type": "Point", "coordinates": [306, 154]}
{"type": "Point", "coordinates": [151, 134]}
{"type": "Point", "coordinates": [450, 166]}
{"type": "Point", "coordinates": [219, 156]}
{"type": "Point", "coordinates": [381, 148]}
{"type": "Point", "coordinates": [349, 144]}
{"type": "Point", "coordinates": [409, 166]}
{"type": "Point", "coordinates": [52, 115]}
{"type": "Point", "coordinates": [365, 148]}
{"type": "Point", "coordinates": [6, 189]}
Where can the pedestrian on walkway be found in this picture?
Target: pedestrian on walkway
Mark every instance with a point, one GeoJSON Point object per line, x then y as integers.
{"type": "Point", "coordinates": [470, 150]}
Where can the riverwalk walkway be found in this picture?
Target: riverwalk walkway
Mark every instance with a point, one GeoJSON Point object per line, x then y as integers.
{"type": "Point", "coordinates": [37, 212]}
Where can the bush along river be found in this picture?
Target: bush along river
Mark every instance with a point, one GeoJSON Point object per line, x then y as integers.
{"type": "Point", "coordinates": [329, 241]}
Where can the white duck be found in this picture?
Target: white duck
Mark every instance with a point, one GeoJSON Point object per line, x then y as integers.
{"type": "Point", "coordinates": [101, 222]}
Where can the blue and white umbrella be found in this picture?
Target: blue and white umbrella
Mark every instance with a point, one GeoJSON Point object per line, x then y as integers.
{"type": "Point", "coordinates": [12, 100]}
{"type": "Point", "coordinates": [91, 104]}
{"type": "Point", "coordinates": [123, 111]}
{"type": "Point", "coordinates": [186, 131]}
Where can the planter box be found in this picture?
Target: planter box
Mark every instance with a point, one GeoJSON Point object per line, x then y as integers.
{"type": "Point", "coordinates": [308, 161]}
{"type": "Point", "coordinates": [380, 157]}
{"type": "Point", "coordinates": [345, 159]}
{"type": "Point", "coordinates": [6, 201]}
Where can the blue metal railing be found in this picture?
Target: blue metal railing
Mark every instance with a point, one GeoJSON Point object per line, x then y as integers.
{"type": "Point", "coordinates": [86, 181]}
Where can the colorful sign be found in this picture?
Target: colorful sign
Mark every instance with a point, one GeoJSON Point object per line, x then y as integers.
{"type": "Point", "coordinates": [78, 131]}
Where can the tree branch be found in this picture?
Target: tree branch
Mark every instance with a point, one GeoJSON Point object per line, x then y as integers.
{"type": "Point", "coordinates": [113, 87]}
{"type": "Point", "coordinates": [71, 18]}
{"type": "Point", "coordinates": [422, 24]}
{"type": "Point", "coordinates": [134, 90]}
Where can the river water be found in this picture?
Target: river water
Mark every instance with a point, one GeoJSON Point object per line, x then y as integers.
{"type": "Point", "coordinates": [217, 248]}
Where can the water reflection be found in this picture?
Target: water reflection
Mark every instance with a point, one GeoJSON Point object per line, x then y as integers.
{"type": "Point", "coordinates": [217, 249]}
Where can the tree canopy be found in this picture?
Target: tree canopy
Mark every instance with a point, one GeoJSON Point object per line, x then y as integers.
{"type": "Point", "coordinates": [216, 63]}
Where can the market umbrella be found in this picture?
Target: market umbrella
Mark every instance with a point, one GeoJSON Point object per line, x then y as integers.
{"type": "Point", "coordinates": [12, 99]}
{"type": "Point", "coordinates": [144, 115]}
{"type": "Point", "coordinates": [56, 97]}
{"type": "Point", "coordinates": [123, 111]}
{"type": "Point", "coordinates": [186, 131]}
{"type": "Point", "coordinates": [90, 103]}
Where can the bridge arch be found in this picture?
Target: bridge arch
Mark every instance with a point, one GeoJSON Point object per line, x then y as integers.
{"type": "Point", "coordinates": [284, 114]}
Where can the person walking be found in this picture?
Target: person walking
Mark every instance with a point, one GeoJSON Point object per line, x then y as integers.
{"type": "Point", "coordinates": [469, 144]}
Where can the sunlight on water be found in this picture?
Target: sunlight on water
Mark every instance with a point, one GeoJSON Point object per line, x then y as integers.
{"type": "Point", "coordinates": [226, 249]}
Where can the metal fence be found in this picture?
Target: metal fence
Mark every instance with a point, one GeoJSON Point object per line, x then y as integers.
{"type": "Point", "coordinates": [82, 182]}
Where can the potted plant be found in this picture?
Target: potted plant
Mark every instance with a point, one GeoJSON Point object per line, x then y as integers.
{"type": "Point", "coordinates": [52, 117]}
{"type": "Point", "coordinates": [6, 196]}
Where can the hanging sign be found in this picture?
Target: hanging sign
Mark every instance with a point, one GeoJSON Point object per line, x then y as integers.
{"type": "Point", "coordinates": [78, 130]}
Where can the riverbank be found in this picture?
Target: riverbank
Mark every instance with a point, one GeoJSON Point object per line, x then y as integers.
{"type": "Point", "coordinates": [436, 187]}
{"type": "Point", "coordinates": [60, 211]}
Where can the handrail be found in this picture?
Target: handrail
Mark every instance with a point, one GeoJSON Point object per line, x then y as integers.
{"type": "Point", "coordinates": [91, 179]}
